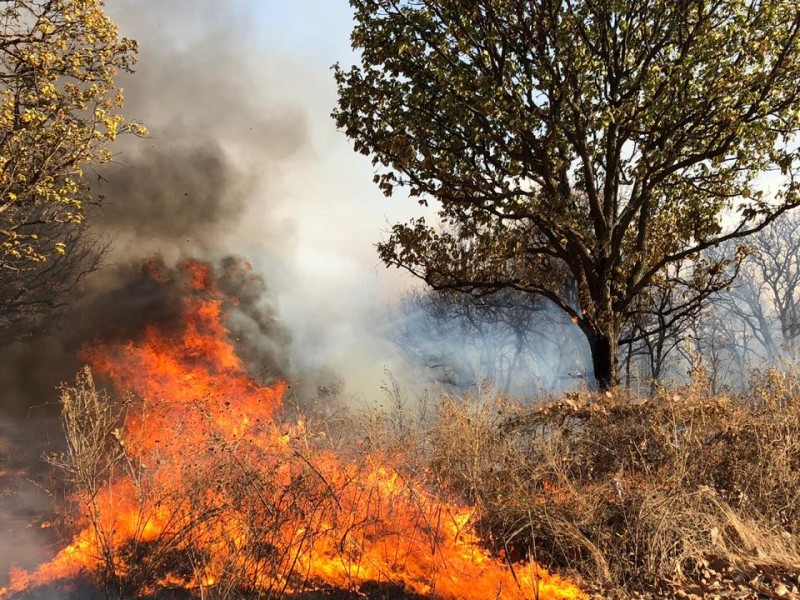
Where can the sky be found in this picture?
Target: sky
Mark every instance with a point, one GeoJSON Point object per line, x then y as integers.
{"type": "Point", "coordinates": [254, 78]}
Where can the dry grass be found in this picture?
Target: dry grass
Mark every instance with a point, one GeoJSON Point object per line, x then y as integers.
{"type": "Point", "coordinates": [634, 493]}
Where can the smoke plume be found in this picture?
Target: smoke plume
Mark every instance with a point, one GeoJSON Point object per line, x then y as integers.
{"type": "Point", "coordinates": [214, 148]}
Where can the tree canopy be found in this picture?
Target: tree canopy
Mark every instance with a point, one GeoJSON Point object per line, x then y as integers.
{"type": "Point", "coordinates": [59, 111]}
{"type": "Point", "coordinates": [576, 149]}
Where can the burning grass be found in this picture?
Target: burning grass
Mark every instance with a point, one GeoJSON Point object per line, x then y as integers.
{"type": "Point", "coordinates": [194, 487]}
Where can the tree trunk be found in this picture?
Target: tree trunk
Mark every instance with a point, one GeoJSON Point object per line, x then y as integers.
{"type": "Point", "coordinates": [605, 359]}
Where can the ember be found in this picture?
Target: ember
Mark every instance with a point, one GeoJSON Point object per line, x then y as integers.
{"type": "Point", "coordinates": [195, 485]}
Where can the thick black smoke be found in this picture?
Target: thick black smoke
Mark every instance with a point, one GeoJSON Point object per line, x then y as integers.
{"type": "Point", "coordinates": [180, 194]}
{"type": "Point", "coordinates": [125, 300]}
{"type": "Point", "coordinates": [215, 140]}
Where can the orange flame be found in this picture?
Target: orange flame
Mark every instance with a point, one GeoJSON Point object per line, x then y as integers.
{"type": "Point", "coordinates": [208, 488]}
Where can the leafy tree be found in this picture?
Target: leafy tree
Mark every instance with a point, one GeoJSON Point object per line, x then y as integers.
{"type": "Point", "coordinates": [577, 148]}
{"type": "Point", "coordinates": [58, 113]}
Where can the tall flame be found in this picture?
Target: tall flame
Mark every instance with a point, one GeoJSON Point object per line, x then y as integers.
{"type": "Point", "coordinates": [207, 489]}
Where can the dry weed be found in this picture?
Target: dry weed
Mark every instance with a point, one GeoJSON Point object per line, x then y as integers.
{"type": "Point", "coordinates": [631, 492]}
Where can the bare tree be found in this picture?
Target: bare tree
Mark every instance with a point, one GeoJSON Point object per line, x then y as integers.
{"type": "Point", "coordinates": [32, 299]}
{"type": "Point", "coordinates": [660, 320]}
{"type": "Point", "coordinates": [757, 317]}
{"type": "Point", "coordinates": [767, 295]}
{"type": "Point", "coordinates": [515, 341]}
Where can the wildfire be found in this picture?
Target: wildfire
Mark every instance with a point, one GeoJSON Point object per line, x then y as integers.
{"type": "Point", "coordinates": [202, 488]}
